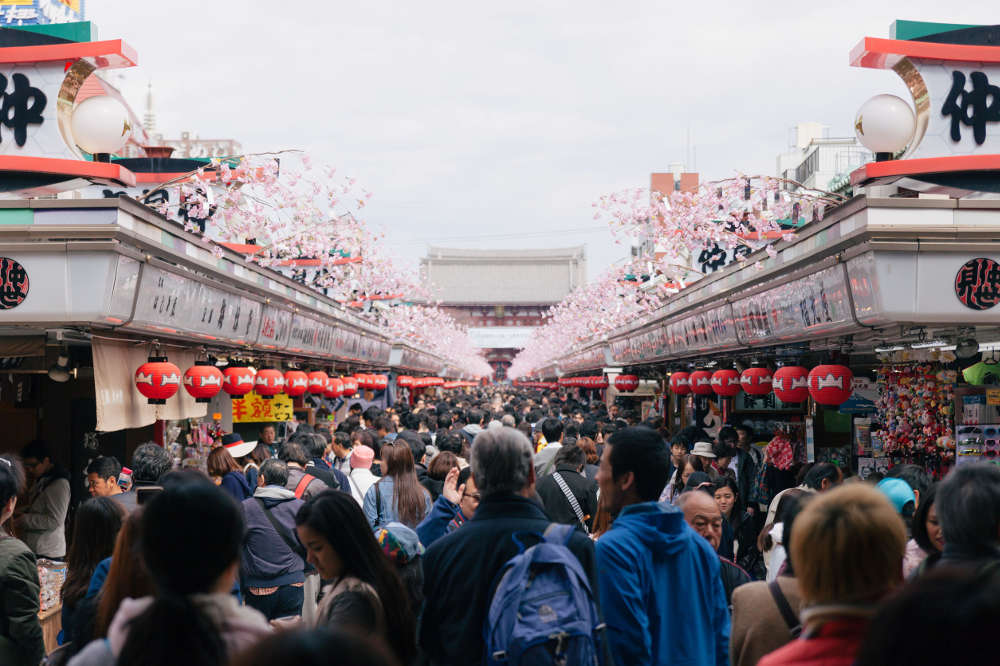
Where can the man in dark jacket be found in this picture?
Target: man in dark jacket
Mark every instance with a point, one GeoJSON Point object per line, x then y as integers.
{"type": "Point", "coordinates": [567, 482]}
{"type": "Point", "coordinates": [460, 569]}
{"type": "Point", "coordinates": [272, 561]}
{"type": "Point", "coordinates": [316, 445]}
{"type": "Point", "coordinates": [703, 514]}
{"type": "Point", "coordinates": [968, 508]}
{"type": "Point", "coordinates": [150, 462]}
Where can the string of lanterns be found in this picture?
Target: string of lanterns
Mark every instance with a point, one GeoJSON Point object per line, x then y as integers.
{"type": "Point", "coordinates": [826, 384]}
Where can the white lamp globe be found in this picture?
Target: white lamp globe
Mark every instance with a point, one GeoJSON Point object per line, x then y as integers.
{"type": "Point", "coordinates": [885, 124]}
{"type": "Point", "coordinates": [101, 125]}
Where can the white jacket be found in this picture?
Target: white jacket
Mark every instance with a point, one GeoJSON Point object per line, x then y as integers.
{"type": "Point", "coordinates": [361, 480]}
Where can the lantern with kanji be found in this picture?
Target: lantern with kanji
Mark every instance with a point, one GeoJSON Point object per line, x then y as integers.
{"type": "Point", "coordinates": [203, 381]}
{"type": "Point", "coordinates": [317, 382]}
{"type": "Point", "coordinates": [364, 381]}
{"type": "Point", "coordinates": [791, 383]}
{"type": "Point", "coordinates": [756, 381]}
{"type": "Point", "coordinates": [626, 383]}
{"type": "Point", "coordinates": [726, 383]}
{"type": "Point", "coordinates": [600, 382]}
{"type": "Point", "coordinates": [334, 387]}
{"type": "Point", "coordinates": [237, 381]}
{"type": "Point", "coordinates": [680, 383]}
{"type": "Point", "coordinates": [380, 382]}
{"type": "Point", "coordinates": [296, 383]}
{"type": "Point", "coordinates": [269, 383]}
{"type": "Point", "coordinates": [701, 382]}
{"type": "Point", "coordinates": [830, 384]}
{"type": "Point", "coordinates": [158, 379]}
{"type": "Point", "coordinates": [350, 387]}
{"type": "Point", "coordinates": [404, 382]}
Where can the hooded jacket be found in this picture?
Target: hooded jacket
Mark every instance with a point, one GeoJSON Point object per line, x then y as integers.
{"type": "Point", "coordinates": [240, 627]}
{"type": "Point", "coordinates": [267, 560]}
{"type": "Point", "coordinates": [660, 590]}
{"type": "Point", "coordinates": [21, 642]}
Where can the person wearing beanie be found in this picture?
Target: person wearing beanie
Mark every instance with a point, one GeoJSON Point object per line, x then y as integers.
{"type": "Point", "coordinates": [403, 548]}
{"type": "Point", "coordinates": [361, 472]}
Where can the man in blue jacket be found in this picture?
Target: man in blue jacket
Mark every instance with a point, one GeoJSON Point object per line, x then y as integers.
{"type": "Point", "coordinates": [659, 583]}
{"type": "Point", "coordinates": [272, 562]}
{"type": "Point", "coordinates": [456, 504]}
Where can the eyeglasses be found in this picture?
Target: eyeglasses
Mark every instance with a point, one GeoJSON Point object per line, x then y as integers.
{"type": "Point", "coordinates": [475, 496]}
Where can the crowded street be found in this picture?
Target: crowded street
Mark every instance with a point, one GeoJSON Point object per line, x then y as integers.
{"type": "Point", "coordinates": [524, 335]}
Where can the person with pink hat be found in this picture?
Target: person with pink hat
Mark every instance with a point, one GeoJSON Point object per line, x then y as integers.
{"type": "Point", "coordinates": [361, 472]}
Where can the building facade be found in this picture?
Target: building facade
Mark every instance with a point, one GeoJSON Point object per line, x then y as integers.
{"type": "Point", "coordinates": [501, 295]}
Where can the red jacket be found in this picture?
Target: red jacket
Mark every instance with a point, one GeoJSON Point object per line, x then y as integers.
{"type": "Point", "coordinates": [836, 643]}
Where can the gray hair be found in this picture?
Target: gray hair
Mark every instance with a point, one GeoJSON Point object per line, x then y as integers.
{"type": "Point", "coordinates": [274, 472]}
{"type": "Point", "coordinates": [501, 461]}
{"type": "Point", "coordinates": [150, 461]}
{"type": "Point", "coordinates": [968, 506]}
{"type": "Point", "coordinates": [508, 420]}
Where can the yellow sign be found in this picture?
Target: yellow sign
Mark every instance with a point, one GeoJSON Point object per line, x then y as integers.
{"type": "Point", "coordinates": [253, 409]}
{"type": "Point", "coordinates": [993, 396]}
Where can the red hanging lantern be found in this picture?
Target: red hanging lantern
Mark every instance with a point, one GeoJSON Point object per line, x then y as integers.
{"type": "Point", "coordinates": [626, 383]}
{"type": "Point", "coordinates": [365, 382]}
{"type": "Point", "coordinates": [756, 381]}
{"type": "Point", "coordinates": [296, 383]}
{"type": "Point", "coordinates": [350, 387]}
{"type": "Point", "coordinates": [203, 381]}
{"type": "Point", "coordinates": [726, 383]}
{"type": "Point", "coordinates": [404, 382]}
{"type": "Point", "coordinates": [380, 382]}
{"type": "Point", "coordinates": [269, 383]}
{"type": "Point", "coordinates": [830, 384]}
{"type": "Point", "coordinates": [158, 379]}
{"type": "Point", "coordinates": [600, 382]}
{"type": "Point", "coordinates": [334, 387]}
{"type": "Point", "coordinates": [237, 381]}
{"type": "Point", "coordinates": [317, 382]}
{"type": "Point", "coordinates": [680, 383]}
{"type": "Point", "coordinates": [791, 383]}
{"type": "Point", "coordinates": [701, 382]}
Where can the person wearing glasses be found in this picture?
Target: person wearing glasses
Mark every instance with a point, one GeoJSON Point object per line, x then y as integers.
{"type": "Point", "coordinates": [43, 524]}
{"type": "Point", "coordinates": [456, 504]}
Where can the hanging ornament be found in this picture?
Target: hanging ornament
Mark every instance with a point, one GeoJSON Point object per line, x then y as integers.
{"type": "Point", "coordinates": [830, 384]}
{"type": "Point", "coordinates": [158, 379]}
{"type": "Point", "coordinates": [680, 383]}
{"type": "Point", "coordinates": [626, 383]}
{"type": "Point", "coordinates": [701, 382]}
{"type": "Point", "coordinates": [791, 383]}
{"type": "Point", "coordinates": [726, 383]}
{"type": "Point", "coordinates": [203, 381]}
{"type": "Point", "coordinates": [756, 381]}
{"type": "Point", "coordinates": [296, 383]}
{"type": "Point", "coordinates": [237, 381]}
{"type": "Point", "coordinates": [317, 382]}
{"type": "Point", "coordinates": [269, 383]}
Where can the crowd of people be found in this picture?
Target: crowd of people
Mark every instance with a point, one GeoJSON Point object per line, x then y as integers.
{"type": "Point", "coordinates": [502, 526]}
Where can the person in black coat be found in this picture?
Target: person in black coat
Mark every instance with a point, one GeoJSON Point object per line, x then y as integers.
{"type": "Point", "coordinates": [460, 569]}
{"type": "Point", "coordinates": [569, 465]}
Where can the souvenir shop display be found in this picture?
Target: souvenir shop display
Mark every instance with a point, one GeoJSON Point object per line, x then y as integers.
{"type": "Point", "coordinates": [914, 418]}
{"type": "Point", "coordinates": [51, 576]}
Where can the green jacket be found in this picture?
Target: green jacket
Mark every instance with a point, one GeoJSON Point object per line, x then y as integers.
{"type": "Point", "coordinates": [21, 640]}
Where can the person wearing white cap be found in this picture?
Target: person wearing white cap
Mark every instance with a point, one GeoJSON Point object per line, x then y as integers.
{"type": "Point", "coordinates": [704, 450]}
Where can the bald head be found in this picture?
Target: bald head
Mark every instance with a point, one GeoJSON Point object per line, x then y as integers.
{"type": "Point", "coordinates": [702, 513]}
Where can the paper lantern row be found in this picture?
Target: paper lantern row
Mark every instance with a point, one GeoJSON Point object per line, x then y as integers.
{"type": "Point", "coordinates": [827, 384]}
{"type": "Point", "coordinates": [594, 382]}
{"type": "Point", "coordinates": [404, 381]}
{"type": "Point", "coordinates": [158, 379]}
{"type": "Point", "coordinates": [537, 385]}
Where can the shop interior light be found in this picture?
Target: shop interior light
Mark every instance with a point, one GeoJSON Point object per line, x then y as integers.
{"type": "Point", "coordinates": [60, 371]}
{"type": "Point", "coordinates": [929, 345]}
{"type": "Point", "coordinates": [886, 350]}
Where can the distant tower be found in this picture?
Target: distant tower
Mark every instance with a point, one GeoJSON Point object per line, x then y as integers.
{"type": "Point", "coordinates": [149, 118]}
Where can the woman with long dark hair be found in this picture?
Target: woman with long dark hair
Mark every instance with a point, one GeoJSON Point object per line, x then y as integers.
{"type": "Point", "coordinates": [222, 466]}
{"type": "Point", "coordinates": [127, 577]}
{"type": "Point", "coordinates": [926, 533]}
{"type": "Point", "coordinates": [364, 589]}
{"type": "Point", "coordinates": [21, 642]}
{"type": "Point", "coordinates": [689, 464]}
{"type": "Point", "coordinates": [739, 534]}
{"type": "Point", "coordinates": [95, 529]}
{"type": "Point", "coordinates": [398, 495]}
{"type": "Point", "coordinates": [191, 537]}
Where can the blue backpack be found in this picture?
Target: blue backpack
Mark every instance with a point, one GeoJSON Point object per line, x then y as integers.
{"type": "Point", "coordinates": [543, 609]}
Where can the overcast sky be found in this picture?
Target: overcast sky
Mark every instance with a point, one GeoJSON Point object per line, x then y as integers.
{"type": "Point", "coordinates": [498, 124]}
